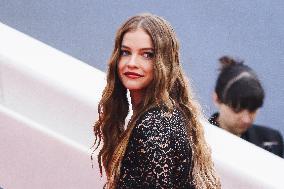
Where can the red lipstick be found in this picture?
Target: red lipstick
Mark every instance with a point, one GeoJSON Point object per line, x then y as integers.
{"type": "Point", "coordinates": [132, 75]}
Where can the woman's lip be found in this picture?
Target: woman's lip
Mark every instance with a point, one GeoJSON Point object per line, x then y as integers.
{"type": "Point", "coordinates": [245, 126]}
{"type": "Point", "coordinates": [132, 75]}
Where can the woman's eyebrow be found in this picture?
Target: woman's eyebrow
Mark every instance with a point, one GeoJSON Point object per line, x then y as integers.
{"type": "Point", "coordinates": [125, 47]}
{"type": "Point", "coordinates": [143, 49]}
{"type": "Point", "coordinates": [149, 48]}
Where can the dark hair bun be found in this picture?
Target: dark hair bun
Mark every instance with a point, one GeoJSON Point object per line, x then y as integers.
{"type": "Point", "coordinates": [227, 61]}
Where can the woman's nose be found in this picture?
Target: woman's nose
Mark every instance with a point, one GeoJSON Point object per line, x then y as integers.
{"type": "Point", "coordinates": [132, 62]}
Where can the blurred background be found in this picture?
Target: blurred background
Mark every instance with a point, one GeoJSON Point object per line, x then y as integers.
{"type": "Point", "coordinates": [252, 31]}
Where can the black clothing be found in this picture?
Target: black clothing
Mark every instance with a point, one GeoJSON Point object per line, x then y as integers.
{"type": "Point", "coordinates": [266, 138]}
{"type": "Point", "coordinates": [158, 154]}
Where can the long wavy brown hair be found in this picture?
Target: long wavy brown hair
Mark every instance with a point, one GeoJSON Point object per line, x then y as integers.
{"type": "Point", "coordinates": [169, 87]}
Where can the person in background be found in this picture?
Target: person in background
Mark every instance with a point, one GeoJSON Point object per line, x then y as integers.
{"type": "Point", "coordinates": [163, 145]}
{"type": "Point", "coordinates": [238, 96]}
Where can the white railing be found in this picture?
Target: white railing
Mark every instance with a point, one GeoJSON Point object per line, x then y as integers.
{"type": "Point", "coordinates": [242, 165]}
{"type": "Point", "coordinates": [48, 103]}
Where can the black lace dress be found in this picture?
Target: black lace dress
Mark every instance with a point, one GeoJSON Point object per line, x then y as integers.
{"type": "Point", "coordinates": [158, 154]}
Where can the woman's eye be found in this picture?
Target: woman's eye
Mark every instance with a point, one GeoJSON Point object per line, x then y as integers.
{"type": "Point", "coordinates": [148, 55]}
{"type": "Point", "coordinates": [124, 53]}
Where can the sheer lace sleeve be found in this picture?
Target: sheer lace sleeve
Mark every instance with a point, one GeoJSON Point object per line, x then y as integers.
{"type": "Point", "coordinates": [158, 154]}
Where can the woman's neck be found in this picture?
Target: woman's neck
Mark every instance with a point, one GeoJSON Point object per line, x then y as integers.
{"type": "Point", "coordinates": [136, 99]}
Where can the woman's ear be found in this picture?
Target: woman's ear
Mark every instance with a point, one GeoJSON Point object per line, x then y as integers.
{"type": "Point", "coordinates": [216, 100]}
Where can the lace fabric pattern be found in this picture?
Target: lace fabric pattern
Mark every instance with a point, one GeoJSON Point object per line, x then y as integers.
{"type": "Point", "coordinates": [158, 154]}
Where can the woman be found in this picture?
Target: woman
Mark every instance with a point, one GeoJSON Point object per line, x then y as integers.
{"type": "Point", "coordinates": [163, 145]}
{"type": "Point", "coordinates": [238, 96]}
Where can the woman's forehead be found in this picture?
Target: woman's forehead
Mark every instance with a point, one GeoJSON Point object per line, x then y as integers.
{"type": "Point", "coordinates": [137, 38]}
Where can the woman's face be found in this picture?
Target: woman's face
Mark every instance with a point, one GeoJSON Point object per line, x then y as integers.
{"type": "Point", "coordinates": [135, 66]}
{"type": "Point", "coordinates": [235, 122]}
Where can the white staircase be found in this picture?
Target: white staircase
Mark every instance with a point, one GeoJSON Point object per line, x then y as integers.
{"type": "Point", "coordinates": [48, 104]}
